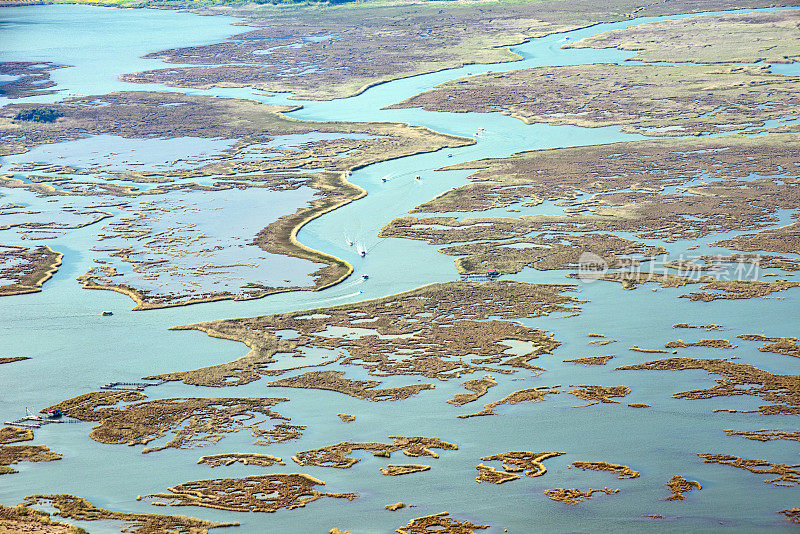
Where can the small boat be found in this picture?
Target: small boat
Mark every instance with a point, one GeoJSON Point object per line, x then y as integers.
{"type": "Point", "coordinates": [365, 277]}
{"type": "Point", "coordinates": [418, 177]}
{"type": "Point", "coordinates": [350, 243]}
{"type": "Point", "coordinates": [54, 414]}
{"type": "Point", "coordinates": [384, 180]}
{"type": "Point", "coordinates": [363, 253]}
{"type": "Point", "coordinates": [492, 273]}
{"type": "Point", "coordinates": [450, 155]}
{"type": "Point", "coordinates": [107, 313]}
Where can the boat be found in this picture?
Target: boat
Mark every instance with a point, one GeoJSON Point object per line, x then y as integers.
{"type": "Point", "coordinates": [363, 253]}
{"type": "Point", "coordinates": [450, 155]}
{"type": "Point", "coordinates": [107, 313]}
{"type": "Point", "coordinates": [365, 277]}
{"type": "Point", "coordinates": [54, 414]}
{"type": "Point", "coordinates": [418, 177]}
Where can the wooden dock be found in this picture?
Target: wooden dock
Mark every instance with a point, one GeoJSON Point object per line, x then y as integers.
{"type": "Point", "coordinates": [131, 386]}
{"type": "Point", "coordinates": [37, 421]}
{"type": "Point", "coordinates": [479, 277]}
{"type": "Point", "coordinates": [33, 421]}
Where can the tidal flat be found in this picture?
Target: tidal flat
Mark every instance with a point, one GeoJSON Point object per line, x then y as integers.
{"type": "Point", "coordinates": [346, 303]}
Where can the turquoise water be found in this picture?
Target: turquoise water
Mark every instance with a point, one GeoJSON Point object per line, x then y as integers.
{"type": "Point", "coordinates": [112, 153]}
{"type": "Point", "coordinates": [75, 350]}
{"type": "Point", "coordinates": [99, 42]}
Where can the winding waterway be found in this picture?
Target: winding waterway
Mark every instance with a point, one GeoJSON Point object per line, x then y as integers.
{"type": "Point", "coordinates": [74, 350]}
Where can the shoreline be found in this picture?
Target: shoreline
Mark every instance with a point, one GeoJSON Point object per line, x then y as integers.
{"type": "Point", "coordinates": [282, 245]}
{"type": "Point", "coordinates": [35, 286]}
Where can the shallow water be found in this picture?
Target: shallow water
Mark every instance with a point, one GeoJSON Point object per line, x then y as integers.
{"type": "Point", "coordinates": [112, 153]}
{"type": "Point", "coordinates": [75, 350]}
{"type": "Point", "coordinates": [99, 42]}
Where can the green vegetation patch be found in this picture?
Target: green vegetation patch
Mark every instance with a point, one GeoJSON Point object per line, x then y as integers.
{"type": "Point", "coordinates": [38, 115]}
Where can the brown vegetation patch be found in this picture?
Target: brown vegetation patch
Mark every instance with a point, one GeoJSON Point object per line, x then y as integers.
{"type": "Point", "coordinates": [574, 495]}
{"type": "Point", "coordinates": [384, 42]}
{"type": "Point", "coordinates": [404, 469]}
{"type": "Point", "coordinates": [518, 461]}
{"type": "Point", "coordinates": [14, 434]}
{"type": "Point", "coordinates": [13, 359]}
{"type": "Point", "coordinates": [490, 474]}
{"type": "Point", "coordinates": [524, 395]}
{"type": "Point", "coordinates": [24, 520]}
{"type": "Point", "coordinates": [739, 289]}
{"type": "Point", "coordinates": [622, 471]}
{"type": "Point", "coordinates": [139, 114]}
{"type": "Point", "coordinates": [727, 38]}
{"type": "Point", "coordinates": [27, 269]}
{"type": "Point", "coordinates": [637, 348]}
{"type": "Point", "coordinates": [479, 388]}
{"type": "Point", "coordinates": [564, 173]}
{"type": "Point", "coordinates": [548, 252]}
{"type": "Point", "coordinates": [430, 331]}
{"type": "Point", "coordinates": [779, 345]}
{"type": "Point", "coordinates": [713, 289]}
{"type": "Point", "coordinates": [765, 435]}
{"type": "Point", "coordinates": [785, 239]}
{"type": "Point", "coordinates": [737, 379]}
{"type": "Point", "coordinates": [630, 280]}
{"type": "Point", "coordinates": [600, 394]}
{"type": "Point", "coordinates": [663, 100]}
{"type": "Point", "coordinates": [740, 262]}
{"type": "Point", "coordinates": [623, 187]}
{"type": "Point", "coordinates": [361, 389]}
{"type": "Point", "coordinates": [439, 524]}
{"type": "Point", "coordinates": [259, 493]}
{"type": "Point", "coordinates": [12, 454]}
{"type": "Point", "coordinates": [591, 360]}
{"type": "Point", "coordinates": [703, 326]}
{"type": "Point", "coordinates": [337, 455]}
{"type": "Point", "coordinates": [261, 460]}
{"type": "Point", "coordinates": [73, 507]}
{"type": "Point", "coordinates": [679, 485]}
{"type": "Point", "coordinates": [712, 343]}
{"type": "Point", "coordinates": [250, 126]}
{"type": "Point", "coordinates": [154, 233]}
{"type": "Point", "coordinates": [784, 475]}
{"type": "Point", "coordinates": [792, 514]}
{"type": "Point", "coordinates": [32, 78]}
{"type": "Point", "coordinates": [193, 421]}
